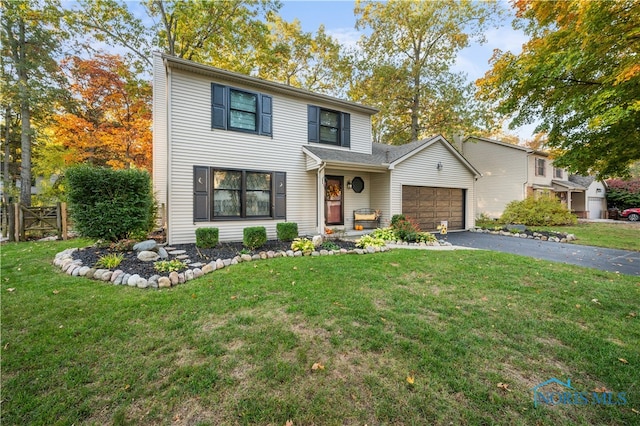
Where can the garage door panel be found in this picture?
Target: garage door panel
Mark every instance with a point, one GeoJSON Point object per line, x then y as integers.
{"type": "Point", "coordinates": [428, 206]}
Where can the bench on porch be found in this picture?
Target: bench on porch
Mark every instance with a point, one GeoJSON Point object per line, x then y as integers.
{"type": "Point", "coordinates": [367, 218]}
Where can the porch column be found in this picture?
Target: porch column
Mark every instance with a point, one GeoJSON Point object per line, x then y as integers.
{"type": "Point", "coordinates": [569, 200]}
{"type": "Point", "coordinates": [320, 202]}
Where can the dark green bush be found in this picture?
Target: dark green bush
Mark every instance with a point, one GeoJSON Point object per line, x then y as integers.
{"type": "Point", "coordinates": [287, 231]}
{"type": "Point", "coordinates": [109, 204]}
{"type": "Point", "coordinates": [397, 218]}
{"type": "Point", "coordinates": [404, 228]}
{"type": "Point", "coordinates": [254, 237]}
{"type": "Point", "coordinates": [207, 237]}
{"type": "Point", "coordinates": [544, 210]}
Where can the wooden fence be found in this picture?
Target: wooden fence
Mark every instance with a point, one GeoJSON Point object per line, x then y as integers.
{"type": "Point", "coordinates": [20, 220]}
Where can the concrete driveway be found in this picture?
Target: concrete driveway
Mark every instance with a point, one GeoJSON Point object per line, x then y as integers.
{"type": "Point", "coordinates": [620, 261]}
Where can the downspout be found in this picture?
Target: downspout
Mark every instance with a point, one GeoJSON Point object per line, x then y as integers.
{"type": "Point", "coordinates": [320, 209]}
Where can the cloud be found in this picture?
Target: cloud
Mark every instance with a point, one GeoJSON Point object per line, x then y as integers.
{"type": "Point", "coordinates": [347, 37]}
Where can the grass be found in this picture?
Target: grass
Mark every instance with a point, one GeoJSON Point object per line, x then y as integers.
{"type": "Point", "coordinates": [238, 345]}
{"type": "Point", "coordinates": [624, 236]}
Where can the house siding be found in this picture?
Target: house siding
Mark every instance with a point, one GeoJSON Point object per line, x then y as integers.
{"type": "Point", "coordinates": [380, 196]}
{"type": "Point", "coordinates": [193, 142]}
{"type": "Point", "coordinates": [421, 170]}
{"type": "Point", "coordinates": [504, 175]}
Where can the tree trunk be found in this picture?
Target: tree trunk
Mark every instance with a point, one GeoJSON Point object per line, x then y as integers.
{"type": "Point", "coordinates": [25, 112]}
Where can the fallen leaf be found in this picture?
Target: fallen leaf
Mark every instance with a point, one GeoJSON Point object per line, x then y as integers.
{"type": "Point", "coordinates": [383, 319]}
{"type": "Point", "coordinates": [632, 314]}
{"type": "Point", "coordinates": [595, 301]}
{"type": "Point", "coordinates": [288, 423]}
{"type": "Point", "coordinates": [234, 297]}
{"type": "Point", "coordinates": [600, 390]}
{"type": "Point", "coordinates": [193, 296]}
{"type": "Point", "coordinates": [317, 366]}
{"type": "Point", "coordinates": [635, 411]}
{"type": "Point", "coordinates": [494, 309]}
{"type": "Point", "coordinates": [293, 283]}
{"type": "Point", "coordinates": [578, 306]}
{"type": "Point", "coordinates": [484, 298]}
{"type": "Point", "coordinates": [56, 291]}
{"type": "Point", "coordinates": [410, 380]}
{"type": "Point", "coordinates": [127, 386]}
{"type": "Point", "coordinates": [255, 265]}
{"type": "Point", "coordinates": [394, 264]}
{"type": "Point", "coordinates": [504, 386]}
{"type": "Point", "coordinates": [622, 360]}
{"type": "Point", "coordinates": [295, 268]}
{"type": "Point", "coordinates": [11, 289]}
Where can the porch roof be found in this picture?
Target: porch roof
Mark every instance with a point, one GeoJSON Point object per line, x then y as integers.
{"type": "Point", "coordinates": [572, 186]}
{"type": "Point", "coordinates": [345, 158]}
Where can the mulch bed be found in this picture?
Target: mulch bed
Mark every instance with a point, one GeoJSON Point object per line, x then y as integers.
{"type": "Point", "coordinates": [131, 265]}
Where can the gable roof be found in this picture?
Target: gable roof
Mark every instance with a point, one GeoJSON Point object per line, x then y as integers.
{"type": "Point", "coordinates": [382, 156]}
{"type": "Point", "coordinates": [258, 83]}
{"type": "Point", "coordinates": [500, 143]}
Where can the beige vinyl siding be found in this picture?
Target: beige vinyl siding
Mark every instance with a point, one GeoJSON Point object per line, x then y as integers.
{"type": "Point", "coordinates": [504, 175]}
{"type": "Point", "coordinates": [421, 170]}
{"type": "Point", "coordinates": [193, 142]}
{"type": "Point", "coordinates": [159, 129]}
{"type": "Point", "coordinates": [548, 175]}
{"type": "Point", "coordinates": [380, 198]}
{"type": "Point", "coordinates": [360, 130]}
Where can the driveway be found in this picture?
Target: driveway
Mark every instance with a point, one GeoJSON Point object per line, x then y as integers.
{"type": "Point", "coordinates": [621, 261]}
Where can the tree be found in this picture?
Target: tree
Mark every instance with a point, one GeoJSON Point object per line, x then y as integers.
{"type": "Point", "coordinates": [109, 121]}
{"type": "Point", "coordinates": [30, 38]}
{"type": "Point", "coordinates": [405, 66]}
{"type": "Point", "coordinates": [579, 75]}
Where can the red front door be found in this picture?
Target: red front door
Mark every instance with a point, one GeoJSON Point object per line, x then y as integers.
{"type": "Point", "coordinates": [333, 194]}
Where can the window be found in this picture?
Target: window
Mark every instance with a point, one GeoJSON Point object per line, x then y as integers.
{"type": "Point", "coordinates": [329, 127]}
{"type": "Point", "coordinates": [540, 167]}
{"type": "Point", "coordinates": [557, 173]}
{"type": "Point", "coordinates": [240, 110]}
{"type": "Point", "coordinates": [238, 194]}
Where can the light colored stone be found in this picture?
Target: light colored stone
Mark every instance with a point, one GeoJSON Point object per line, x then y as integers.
{"type": "Point", "coordinates": [188, 275]}
{"type": "Point", "coordinates": [106, 276]}
{"type": "Point", "coordinates": [245, 257]}
{"type": "Point", "coordinates": [317, 240]}
{"type": "Point", "coordinates": [173, 276]}
{"type": "Point", "coordinates": [271, 254]}
{"type": "Point", "coordinates": [220, 264]}
{"type": "Point", "coordinates": [148, 256]}
{"type": "Point", "coordinates": [125, 279]}
{"type": "Point", "coordinates": [226, 262]}
{"type": "Point", "coordinates": [83, 271]}
{"type": "Point", "coordinates": [90, 273]}
{"type": "Point", "coordinates": [119, 278]}
{"type": "Point", "coordinates": [133, 280]}
{"type": "Point", "coordinates": [289, 253]}
{"type": "Point", "coordinates": [209, 267]}
{"type": "Point", "coordinates": [181, 278]}
{"type": "Point", "coordinates": [297, 253]}
{"type": "Point", "coordinates": [162, 253]}
{"type": "Point", "coordinates": [196, 265]}
{"type": "Point", "coordinates": [197, 273]}
{"type": "Point", "coordinates": [164, 282]}
{"type": "Point", "coordinates": [176, 252]}
{"type": "Point", "coordinates": [182, 256]}
{"type": "Point", "coordinates": [324, 252]}
{"type": "Point", "coordinates": [255, 257]}
{"type": "Point", "coordinates": [234, 261]}
{"type": "Point", "coordinates": [115, 274]}
{"type": "Point", "coordinates": [142, 283]}
{"type": "Point", "coordinates": [145, 245]}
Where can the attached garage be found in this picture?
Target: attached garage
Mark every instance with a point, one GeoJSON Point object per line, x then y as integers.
{"type": "Point", "coordinates": [428, 206]}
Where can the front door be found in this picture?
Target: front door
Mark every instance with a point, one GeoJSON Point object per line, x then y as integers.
{"type": "Point", "coordinates": [333, 194]}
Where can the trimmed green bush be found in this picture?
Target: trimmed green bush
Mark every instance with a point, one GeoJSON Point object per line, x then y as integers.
{"type": "Point", "coordinates": [207, 237]}
{"type": "Point", "coordinates": [109, 204]}
{"type": "Point", "coordinates": [254, 237]}
{"type": "Point", "coordinates": [539, 211]}
{"type": "Point", "coordinates": [287, 231]}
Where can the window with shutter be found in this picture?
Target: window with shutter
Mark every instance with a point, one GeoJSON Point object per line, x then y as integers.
{"type": "Point", "coordinates": [241, 110]}
{"type": "Point", "coordinates": [328, 127]}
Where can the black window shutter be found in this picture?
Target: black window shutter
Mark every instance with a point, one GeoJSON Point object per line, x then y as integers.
{"type": "Point", "coordinates": [201, 185]}
{"type": "Point", "coordinates": [219, 96]}
{"type": "Point", "coordinates": [313, 119]}
{"type": "Point", "coordinates": [345, 127]}
{"type": "Point", "coordinates": [266, 115]}
{"type": "Point", "coordinates": [280, 197]}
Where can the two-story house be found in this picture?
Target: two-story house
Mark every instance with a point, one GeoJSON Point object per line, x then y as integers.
{"type": "Point", "coordinates": [512, 172]}
{"type": "Point", "coordinates": [232, 151]}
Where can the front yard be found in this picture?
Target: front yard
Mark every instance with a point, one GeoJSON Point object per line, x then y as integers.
{"type": "Point", "coordinates": [404, 337]}
{"type": "Point", "coordinates": [619, 235]}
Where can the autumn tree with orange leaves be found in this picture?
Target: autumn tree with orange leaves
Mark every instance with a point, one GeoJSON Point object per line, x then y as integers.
{"type": "Point", "coordinates": [108, 122]}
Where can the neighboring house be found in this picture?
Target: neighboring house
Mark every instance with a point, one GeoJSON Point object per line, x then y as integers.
{"type": "Point", "coordinates": [512, 172]}
{"type": "Point", "coordinates": [232, 151]}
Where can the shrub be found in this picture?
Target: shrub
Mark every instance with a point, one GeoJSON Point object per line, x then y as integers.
{"type": "Point", "coordinates": [169, 265]}
{"type": "Point", "coordinates": [304, 245]}
{"type": "Point", "coordinates": [254, 237]}
{"type": "Point", "coordinates": [538, 212]}
{"type": "Point", "coordinates": [426, 237]}
{"type": "Point", "coordinates": [330, 245]}
{"type": "Point", "coordinates": [623, 194]}
{"type": "Point", "coordinates": [287, 231]}
{"type": "Point", "coordinates": [369, 241]}
{"type": "Point", "coordinates": [386, 234]}
{"type": "Point", "coordinates": [404, 228]}
{"type": "Point", "coordinates": [207, 237]}
{"type": "Point", "coordinates": [109, 261]}
{"type": "Point", "coordinates": [109, 204]}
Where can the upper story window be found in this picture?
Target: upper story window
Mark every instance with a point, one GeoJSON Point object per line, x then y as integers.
{"type": "Point", "coordinates": [328, 127]}
{"type": "Point", "coordinates": [540, 167]}
{"type": "Point", "coordinates": [240, 110]}
{"type": "Point", "coordinates": [557, 173]}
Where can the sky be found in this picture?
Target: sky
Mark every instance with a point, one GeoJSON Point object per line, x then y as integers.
{"type": "Point", "coordinates": [339, 21]}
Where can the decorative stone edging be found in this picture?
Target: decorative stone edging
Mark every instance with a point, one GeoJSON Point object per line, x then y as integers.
{"type": "Point", "coordinates": [74, 267]}
{"type": "Point", "coordinates": [534, 236]}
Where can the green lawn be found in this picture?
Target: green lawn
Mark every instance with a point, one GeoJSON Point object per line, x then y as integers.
{"type": "Point", "coordinates": [238, 345]}
{"type": "Point", "coordinates": [621, 235]}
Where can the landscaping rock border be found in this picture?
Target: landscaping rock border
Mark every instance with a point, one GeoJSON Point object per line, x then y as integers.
{"type": "Point", "coordinates": [74, 267]}
{"type": "Point", "coordinates": [532, 235]}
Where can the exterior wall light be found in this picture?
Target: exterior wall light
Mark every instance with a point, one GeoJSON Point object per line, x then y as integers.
{"type": "Point", "coordinates": [439, 166]}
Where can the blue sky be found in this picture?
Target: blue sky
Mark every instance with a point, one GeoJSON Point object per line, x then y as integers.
{"type": "Point", "coordinates": [339, 21]}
